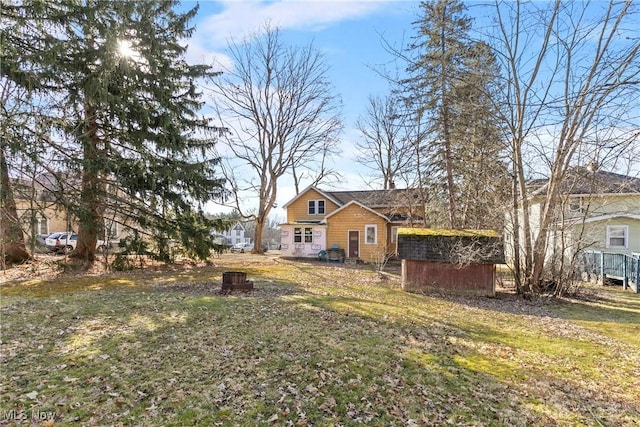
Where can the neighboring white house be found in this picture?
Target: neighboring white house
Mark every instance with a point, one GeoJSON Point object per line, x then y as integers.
{"type": "Point", "coordinates": [236, 234]}
{"type": "Point", "coordinates": [600, 212]}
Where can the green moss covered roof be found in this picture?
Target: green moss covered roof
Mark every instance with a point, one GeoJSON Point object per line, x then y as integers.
{"type": "Point", "coordinates": [445, 232]}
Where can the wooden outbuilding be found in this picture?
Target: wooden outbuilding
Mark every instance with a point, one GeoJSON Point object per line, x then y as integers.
{"type": "Point", "coordinates": [450, 261]}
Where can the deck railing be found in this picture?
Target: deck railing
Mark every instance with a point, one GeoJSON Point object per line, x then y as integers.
{"type": "Point", "coordinates": [622, 267]}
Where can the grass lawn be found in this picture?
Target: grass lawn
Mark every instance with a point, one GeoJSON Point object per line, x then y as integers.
{"type": "Point", "coordinates": [313, 344]}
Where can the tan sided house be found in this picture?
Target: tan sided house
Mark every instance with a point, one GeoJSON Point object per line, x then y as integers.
{"type": "Point", "coordinates": [42, 211]}
{"type": "Point", "coordinates": [363, 223]}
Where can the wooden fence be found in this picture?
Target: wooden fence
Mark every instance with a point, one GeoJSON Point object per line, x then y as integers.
{"type": "Point", "coordinates": [608, 265]}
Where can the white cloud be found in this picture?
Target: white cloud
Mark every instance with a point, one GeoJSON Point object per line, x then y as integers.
{"type": "Point", "coordinates": [240, 18]}
{"type": "Point", "coordinates": [235, 20]}
{"type": "Point", "coordinates": [199, 53]}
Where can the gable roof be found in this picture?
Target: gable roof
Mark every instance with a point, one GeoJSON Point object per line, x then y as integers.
{"type": "Point", "coordinates": [368, 198]}
{"type": "Point", "coordinates": [374, 198]}
{"type": "Point", "coordinates": [355, 202]}
{"type": "Point", "coordinates": [583, 180]}
{"type": "Point", "coordinates": [311, 187]}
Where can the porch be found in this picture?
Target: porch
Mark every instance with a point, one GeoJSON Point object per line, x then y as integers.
{"type": "Point", "coordinates": [616, 266]}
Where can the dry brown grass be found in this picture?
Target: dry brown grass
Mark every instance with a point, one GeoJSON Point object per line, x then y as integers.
{"type": "Point", "coordinates": [313, 344]}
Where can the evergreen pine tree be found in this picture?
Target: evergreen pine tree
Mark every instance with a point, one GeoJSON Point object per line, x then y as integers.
{"type": "Point", "coordinates": [126, 118]}
{"type": "Point", "coordinates": [479, 162]}
{"type": "Point", "coordinates": [20, 40]}
{"type": "Point", "coordinates": [438, 51]}
{"type": "Point", "coordinates": [449, 87]}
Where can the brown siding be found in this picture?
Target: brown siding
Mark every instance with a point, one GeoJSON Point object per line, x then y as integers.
{"type": "Point", "coordinates": [355, 217]}
{"type": "Point", "coordinates": [475, 279]}
{"type": "Point", "coordinates": [298, 210]}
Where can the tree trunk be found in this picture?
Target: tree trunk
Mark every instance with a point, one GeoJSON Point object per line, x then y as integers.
{"type": "Point", "coordinates": [515, 224]}
{"type": "Point", "coordinates": [446, 133]}
{"type": "Point", "coordinates": [257, 238]}
{"type": "Point", "coordinates": [546, 226]}
{"type": "Point", "coordinates": [526, 221]}
{"type": "Point", "coordinates": [12, 240]}
{"type": "Point", "coordinates": [90, 215]}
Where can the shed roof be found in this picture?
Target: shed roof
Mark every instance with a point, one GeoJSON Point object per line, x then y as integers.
{"type": "Point", "coordinates": [446, 232]}
{"type": "Point", "coordinates": [451, 246]}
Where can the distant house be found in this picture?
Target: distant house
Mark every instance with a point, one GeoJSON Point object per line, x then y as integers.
{"type": "Point", "coordinates": [41, 208]}
{"type": "Point", "coordinates": [600, 212]}
{"type": "Point", "coordinates": [362, 223]}
{"type": "Point", "coordinates": [236, 234]}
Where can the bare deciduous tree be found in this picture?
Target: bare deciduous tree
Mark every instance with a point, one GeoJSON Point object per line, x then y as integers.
{"type": "Point", "coordinates": [386, 149]}
{"type": "Point", "coordinates": [571, 71]}
{"type": "Point", "coordinates": [282, 116]}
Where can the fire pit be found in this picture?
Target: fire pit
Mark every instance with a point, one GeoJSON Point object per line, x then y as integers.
{"type": "Point", "coordinates": [236, 280]}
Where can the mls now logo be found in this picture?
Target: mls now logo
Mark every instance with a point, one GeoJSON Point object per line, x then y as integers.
{"type": "Point", "coordinates": [23, 415]}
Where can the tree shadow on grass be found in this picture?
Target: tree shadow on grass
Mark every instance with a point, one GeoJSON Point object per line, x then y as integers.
{"type": "Point", "coordinates": [170, 355]}
{"type": "Point", "coordinates": [475, 363]}
{"type": "Point", "coordinates": [597, 305]}
{"type": "Point", "coordinates": [176, 352]}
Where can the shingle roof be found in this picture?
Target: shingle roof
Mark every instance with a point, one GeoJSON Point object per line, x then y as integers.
{"type": "Point", "coordinates": [583, 180]}
{"type": "Point", "coordinates": [375, 198]}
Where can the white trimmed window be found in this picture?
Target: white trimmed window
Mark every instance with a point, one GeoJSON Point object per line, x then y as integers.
{"type": "Point", "coordinates": [575, 205]}
{"type": "Point", "coordinates": [316, 207]}
{"type": "Point", "coordinates": [110, 229]}
{"type": "Point", "coordinates": [617, 236]}
{"type": "Point", "coordinates": [370, 234]}
{"type": "Point", "coordinates": [308, 235]}
{"type": "Point", "coordinates": [43, 226]}
{"type": "Point", "coordinates": [394, 234]}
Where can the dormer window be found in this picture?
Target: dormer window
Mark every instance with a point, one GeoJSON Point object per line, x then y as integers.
{"type": "Point", "coordinates": [316, 207]}
{"type": "Point", "coordinates": [575, 205]}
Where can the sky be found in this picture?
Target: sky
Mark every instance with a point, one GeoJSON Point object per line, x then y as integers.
{"type": "Point", "coordinates": [350, 34]}
{"type": "Point", "coordinates": [354, 36]}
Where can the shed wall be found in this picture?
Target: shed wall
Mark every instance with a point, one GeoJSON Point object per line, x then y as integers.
{"type": "Point", "coordinates": [425, 276]}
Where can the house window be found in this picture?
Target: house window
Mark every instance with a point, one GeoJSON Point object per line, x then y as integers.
{"type": "Point", "coordinates": [308, 235]}
{"type": "Point", "coordinates": [297, 235]}
{"type": "Point", "coordinates": [575, 205]}
{"type": "Point", "coordinates": [316, 207]}
{"type": "Point", "coordinates": [617, 236]}
{"type": "Point", "coordinates": [371, 234]}
{"type": "Point", "coordinates": [110, 229]}
{"type": "Point", "coordinates": [43, 226]}
{"type": "Point", "coordinates": [394, 234]}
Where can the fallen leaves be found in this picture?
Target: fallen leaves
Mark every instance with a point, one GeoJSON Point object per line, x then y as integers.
{"type": "Point", "coordinates": [313, 344]}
